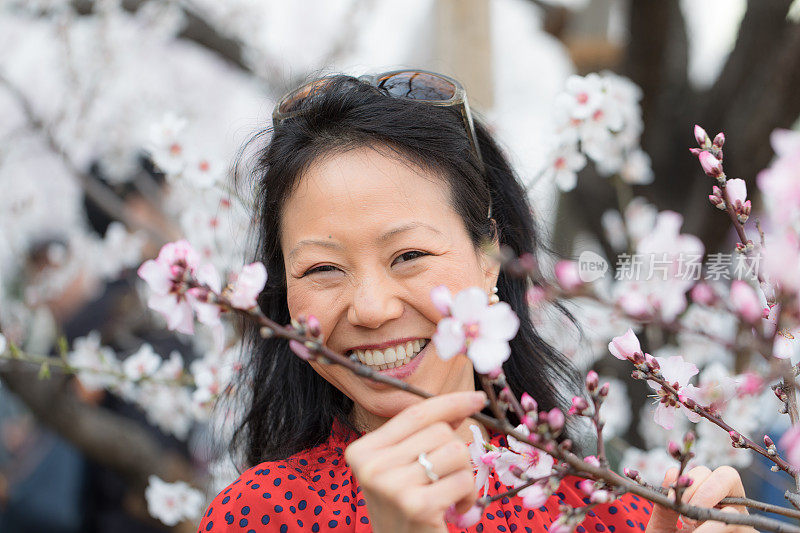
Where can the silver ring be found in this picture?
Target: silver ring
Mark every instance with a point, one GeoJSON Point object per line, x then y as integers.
{"type": "Point", "coordinates": [428, 466]}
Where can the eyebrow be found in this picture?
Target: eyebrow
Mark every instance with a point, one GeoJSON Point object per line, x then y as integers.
{"type": "Point", "coordinates": [382, 239]}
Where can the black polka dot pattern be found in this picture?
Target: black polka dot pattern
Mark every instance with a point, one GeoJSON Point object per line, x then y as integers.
{"type": "Point", "coordinates": [316, 491]}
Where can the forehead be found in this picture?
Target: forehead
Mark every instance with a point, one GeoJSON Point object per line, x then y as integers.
{"type": "Point", "coordinates": [362, 189]}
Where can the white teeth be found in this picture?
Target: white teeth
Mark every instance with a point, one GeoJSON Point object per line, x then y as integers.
{"type": "Point", "coordinates": [393, 357]}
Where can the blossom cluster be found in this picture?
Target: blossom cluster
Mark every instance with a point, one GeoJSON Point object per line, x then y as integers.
{"type": "Point", "coordinates": [598, 116]}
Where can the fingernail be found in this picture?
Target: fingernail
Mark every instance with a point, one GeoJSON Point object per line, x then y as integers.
{"type": "Point", "coordinates": [479, 399]}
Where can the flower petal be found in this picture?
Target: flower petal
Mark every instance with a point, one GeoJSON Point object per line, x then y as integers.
{"type": "Point", "coordinates": [469, 305]}
{"type": "Point", "coordinates": [488, 354]}
{"type": "Point", "coordinates": [449, 338]}
{"type": "Point", "coordinates": [499, 321]}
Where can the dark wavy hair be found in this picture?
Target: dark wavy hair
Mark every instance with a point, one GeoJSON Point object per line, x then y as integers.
{"type": "Point", "coordinates": [292, 408]}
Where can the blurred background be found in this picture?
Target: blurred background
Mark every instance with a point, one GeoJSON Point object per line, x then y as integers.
{"type": "Point", "coordinates": [119, 120]}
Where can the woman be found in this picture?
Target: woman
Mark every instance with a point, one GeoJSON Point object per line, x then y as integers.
{"type": "Point", "coordinates": [371, 192]}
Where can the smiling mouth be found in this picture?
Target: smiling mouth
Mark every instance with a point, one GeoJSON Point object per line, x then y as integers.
{"type": "Point", "coordinates": [392, 357]}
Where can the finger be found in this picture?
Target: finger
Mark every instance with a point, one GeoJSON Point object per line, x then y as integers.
{"type": "Point", "coordinates": [450, 408]}
{"type": "Point", "coordinates": [712, 526]}
{"type": "Point", "coordinates": [425, 440]}
{"type": "Point", "coordinates": [457, 488]}
{"type": "Point", "coordinates": [664, 519]}
{"type": "Point", "coordinates": [722, 482]}
{"type": "Point", "coordinates": [447, 459]}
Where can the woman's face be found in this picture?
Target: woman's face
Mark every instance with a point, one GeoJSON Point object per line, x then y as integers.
{"type": "Point", "coordinates": [365, 237]}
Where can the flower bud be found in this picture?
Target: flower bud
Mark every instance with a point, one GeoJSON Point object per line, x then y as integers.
{"type": "Point", "coordinates": [701, 136]}
{"type": "Point", "coordinates": [591, 381]}
{"type": "Point", "coordinates": [674, 450]}
{"type": "Point", "coordinates": [604, 389]}
{"type": "Point", "coordinates": [528, 403]}
{"type": "Point", "coordinates": [567, 275]}
{"type": "Point", "coordinates": [684, 482]}
{"type": "Point", "coordinates": [632, 474]}
{"type": "Point", "coordinates": [592, 460]}
{"type": "Point", "coordinates": [555, 419]}
{"type": "Point", "coordinates": [737, 439]}
{"type": "Point", "coordinates": [579, 406]}
{"type": "Point", "coordinates": [719, 140]}
{"type": "Point", "coordinates": [587, 486]}
{"type": "Point", "coordinates": [711, 165]}
{"type": "Point", "coordinates": [702, 293]}
{"type": "Point", "coordinates": [768, 441]}
{"type": "Point", "coordinates": [314, 327]}
{"type": "Point", "coordinates": [301, 350]}
{"type": "Point", "coordinates": [695, 151]}
{"type": "Point", "coordinates": [689, 438]}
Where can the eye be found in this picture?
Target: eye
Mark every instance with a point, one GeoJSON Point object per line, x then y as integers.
{"type": "Point", "coordinates": [410, 255]}
{"type": "Point", "coordinates": [321, 268]}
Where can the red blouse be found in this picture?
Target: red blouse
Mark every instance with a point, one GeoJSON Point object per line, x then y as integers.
{"type": "Point", "coordinates": [315, 490]}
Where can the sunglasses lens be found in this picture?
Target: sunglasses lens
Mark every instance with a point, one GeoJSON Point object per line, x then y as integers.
{"type": "Point", "coordinates": [418, 86]}
{"type": "Point", "coordinates": [295, 99]}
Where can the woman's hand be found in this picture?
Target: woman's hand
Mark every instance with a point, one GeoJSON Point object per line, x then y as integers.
{"type": "Point", "coordinates": [707, 490]}
{"type": "Point", "coordinates": [399, 495]}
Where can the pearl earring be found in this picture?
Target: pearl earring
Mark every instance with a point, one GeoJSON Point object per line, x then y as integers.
{"type": "Point", "coordinates": [494, 298]}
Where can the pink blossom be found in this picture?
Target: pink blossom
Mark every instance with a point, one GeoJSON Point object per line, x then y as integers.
{"type": "Point", "coordinates": [247, 285]}
{"type": "Point", "coordinates": [442, 299]}
{"type": "Point", "coordinates": [167, 276]}
{"type": "Point", "coordinates": [477, 329]}
{"type": "Point", "coordinates": [534, 496]}
{"type": "Point", "coordinates": [785, 345]}
{"type": "Point", "coordinates": [568, 275]}
{"type": "Point", "coordinates": [522, 456]}
{"type": "Point", "coordinates": [565, 163]}
{"type": "Point", "coordinates": [592, 460]}
{"type": "Point", "coordinates": [702, 293]}
{"type": "Point", "coordinates": [468, 519]}
{"type": "Point", "coordinates": [745, 302]}
{"type": "Point", "coordinates": [785, 142]}
{"type": "Point", "coordinates": [676, 372]}
{"type": "Point", "coordinates": [737, 191]}
{"type": "Point", "coordinates": [750, 384]}
{"type": "Point", "coordinates": [555, 419]}
{"type": "Point", "coordinates": [625, 346]}
{"type": "Point", "coordinates": [528, 403]}
{"type": "Point", "coordinates": [587, 93]}
{"type": "Point", "coordinates": [483, 464]}
{"type": "Point", "coordinates": [711, 165]}
{"type": "Point", "coordinates": [790, 443]}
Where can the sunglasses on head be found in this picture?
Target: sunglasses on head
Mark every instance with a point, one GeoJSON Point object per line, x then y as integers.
{"type": "Point", "coordinates": [418, 85]}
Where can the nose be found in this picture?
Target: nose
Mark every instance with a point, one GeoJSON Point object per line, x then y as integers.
{"type": "Point", "coordinates": [375, 302]}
